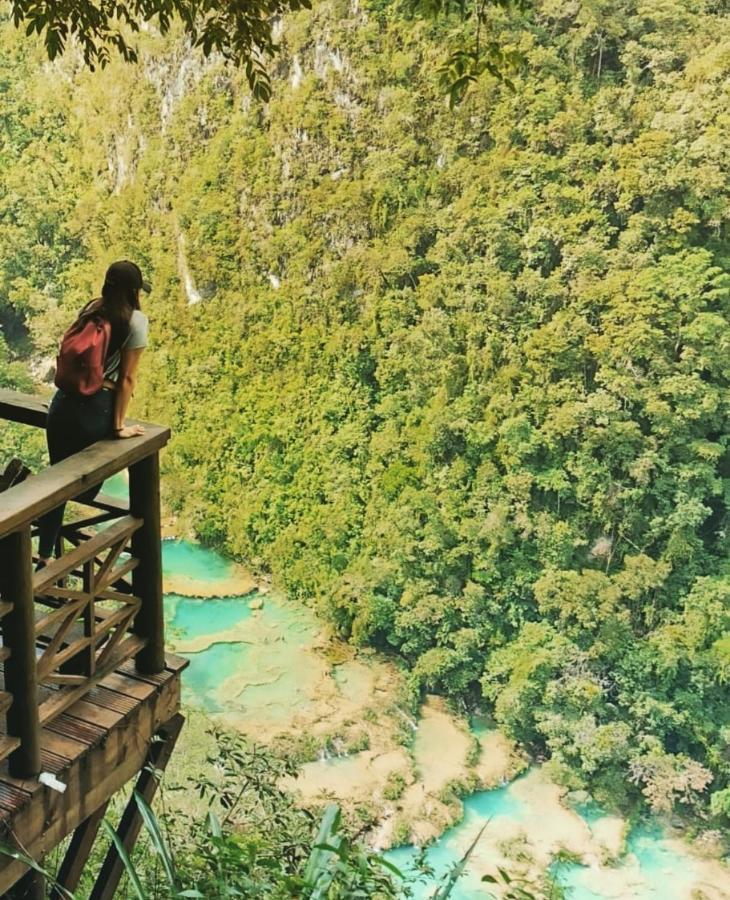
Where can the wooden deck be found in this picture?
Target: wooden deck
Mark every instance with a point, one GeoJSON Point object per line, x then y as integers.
{"type": "Point", "coordinates": [87, 693]}
{"type": "Point", "coordinates": [95, 747]}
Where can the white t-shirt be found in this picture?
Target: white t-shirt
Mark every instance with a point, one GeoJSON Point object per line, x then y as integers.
{"type": "Point", "coordinates": [135, 340]}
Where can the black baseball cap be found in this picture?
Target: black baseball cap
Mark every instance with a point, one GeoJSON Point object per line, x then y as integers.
{"type": "Point", "coordinates": [126, 274]}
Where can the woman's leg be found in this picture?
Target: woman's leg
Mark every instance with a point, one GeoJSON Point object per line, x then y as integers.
{"type": "Point", "coordinates": [60, 441]}
{"type": "Point", "coordinates": [98, 424]}
{"type": "Point", "coordinates": [73, 424]}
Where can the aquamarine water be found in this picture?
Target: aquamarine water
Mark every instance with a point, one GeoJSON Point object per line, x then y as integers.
{"type": "Point", "coordinates": [493, 807]}
{"type": "Point", "coordinates": [663, 875]}
{"type": "Point", "coordinates": [657, 871]}
{"type": "Point", "coordinates": [117, 486]}
{"type": "Point", "coordinates": [208, 669]}
{"type": "Point", "coordinates": [182, 558]}
{"type": "Point", "coordinates": [189, 617]}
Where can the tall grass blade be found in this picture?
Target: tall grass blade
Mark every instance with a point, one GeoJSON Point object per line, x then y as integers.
{"type": "Point", "coordinates": [444, 892]}
{"type": "Point", "coordinates": [126, 861]}
{"type": "Point", "coordinates": [152, 825]}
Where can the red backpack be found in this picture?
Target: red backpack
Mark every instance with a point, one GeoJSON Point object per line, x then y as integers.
{"type": "Point", "coordinates": [80, 361]}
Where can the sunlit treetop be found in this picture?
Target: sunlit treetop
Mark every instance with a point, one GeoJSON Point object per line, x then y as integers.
{"type": "Point", "coordinates": [239, 30]}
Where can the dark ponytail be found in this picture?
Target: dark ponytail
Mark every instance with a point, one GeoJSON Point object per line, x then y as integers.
{"type": "Point", "coordinates": [116, 305]}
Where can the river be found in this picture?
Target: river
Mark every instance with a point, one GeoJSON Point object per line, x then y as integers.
{"type": "Point", "coordinates": [269, 668]}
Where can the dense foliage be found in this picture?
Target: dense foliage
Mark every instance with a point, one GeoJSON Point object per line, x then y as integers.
{"type": "Point", "coordinates": [240, 32]}
{"type": "Point", "coordinates": [459, 377]}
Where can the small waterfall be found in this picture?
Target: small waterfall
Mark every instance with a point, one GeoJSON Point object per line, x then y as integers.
{"type": "Point", "coordinates": [324, 754]}
{"type": "Point", "coordinates": [411, 722]}
{"type": "Point", "coordinates": [191, 291]}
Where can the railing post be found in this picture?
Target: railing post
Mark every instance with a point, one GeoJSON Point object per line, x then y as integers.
{"type": "Point", "coordinates": [144, 503]}
{"type": "Point", "coordinates": [18, 632]}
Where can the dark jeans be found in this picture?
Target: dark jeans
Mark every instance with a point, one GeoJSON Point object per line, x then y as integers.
{"type": "Point", "coordinates": [73, 424]}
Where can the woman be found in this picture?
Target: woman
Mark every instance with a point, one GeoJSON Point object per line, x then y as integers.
{"type": "Point", "coordinates": [75, 421]}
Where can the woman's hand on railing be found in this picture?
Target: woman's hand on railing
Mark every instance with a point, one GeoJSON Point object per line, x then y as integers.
{"type": "Point", "coordinates": [128, 431]}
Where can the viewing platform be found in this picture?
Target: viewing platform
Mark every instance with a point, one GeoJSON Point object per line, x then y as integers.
{"type": "Point", "coordinates": [87, 692]}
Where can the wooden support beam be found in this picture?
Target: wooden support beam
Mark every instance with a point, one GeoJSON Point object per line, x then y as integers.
{"type": "Point", "coordinates": [18, 634]}
{"type": "Point", "coordinates": [77, 854]}
{"type": "Point", "coordinates": [129, 827]}
{"type": "Point", "coordinates": [144, 504]}
{"type": "Point", "coordinates": [32, 886]}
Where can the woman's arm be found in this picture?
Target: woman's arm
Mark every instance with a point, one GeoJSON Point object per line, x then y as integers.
{"type": "Point", "coordinates": [125, 389]}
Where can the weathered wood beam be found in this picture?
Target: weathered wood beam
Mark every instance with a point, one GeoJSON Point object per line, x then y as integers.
{"type": "Point", "coordinates": [77, 854]}
{"type": "Point", "coordinates": [18, 635]}
{"type": "Point", "coordinates": [144, 503]}
{"type": "Point", "coordinates": [24, 408]}
{"type": "Point", "coordinates": [32, 886]}
{"type": "Point", "coordinates": [131, 822]}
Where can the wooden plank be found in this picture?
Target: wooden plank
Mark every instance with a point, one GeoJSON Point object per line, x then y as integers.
{"type": "Point", "coordinates": [100, 695]}
{"type": "Point", "coordinates": [128, 687]}
{"type": "Point", "coordinates": [174, 664]}
{"type": "Point", "coordinates": [67, 479]}
{"type": "Point", "coordinates": [56, 569]}
{"type": "Point", "coordinates": [12, 797]}
{"type": "Point", "coordinates": [62, 746]}
{"type": "Point", "coordinates": [52, 762]}
{"type": "Point", "coordinates": [78, 730]}
{"type": "Point", "coordinates": [99, 715]}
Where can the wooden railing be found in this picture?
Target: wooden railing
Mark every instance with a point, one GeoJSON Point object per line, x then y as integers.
{"type": "Point", "coordinates": [69, 625]}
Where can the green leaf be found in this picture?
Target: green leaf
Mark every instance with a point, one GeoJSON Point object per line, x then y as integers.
{"type": "Point", "coordinates": [126, 862]}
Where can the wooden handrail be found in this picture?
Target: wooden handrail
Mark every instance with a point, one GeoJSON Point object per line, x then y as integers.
{"type": "Point", "coordinates": [63, 481]}
{"type": "Point", "coordinates": [24, 408]}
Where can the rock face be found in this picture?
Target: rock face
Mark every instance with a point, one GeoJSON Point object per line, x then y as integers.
{"type": "Point", "coordinates": [256, 603]}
